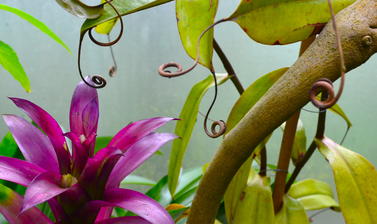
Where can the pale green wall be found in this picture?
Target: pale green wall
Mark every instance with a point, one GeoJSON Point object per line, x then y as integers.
{"type": "Point", "coordinates": [137, 92]}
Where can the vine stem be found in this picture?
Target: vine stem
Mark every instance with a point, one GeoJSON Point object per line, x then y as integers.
{"type": "Point", "coordinates": [287, 145]}
{"type": "Point", "coordinates": [228, 67]}
{"type": "Point", "coordinates": [319, 134]}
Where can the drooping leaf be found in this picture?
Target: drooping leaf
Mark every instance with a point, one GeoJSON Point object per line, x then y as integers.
{"type": "Point", "coordinates": [185, 127]}
{"type": "Point", "coordinates": [255, 203]}
{"type": "Point", "coordinates": [313, 194]}
{"type": "Point", "coordinates": [137, 180]}
{"type": "Point", "coordinates": [251, 96]}
{"type": "Point", "coordinates": [356, 182]}
{"type": "Point", "coordinates": [292, 20]}
{"type": "Point", "coordinates": [190, 27]}
{"type": "Point", "coordinates": [10, 62]}
{"type": "Point", "coordinates": [124, 7]}
{"type": "Point", "coordinates": [80, 9]}
{"type": "Point", "coordinates": [299, 144]}
{"type": "Point", "coordinates": [38, 24]}
{"type": "Point", "coordinates": [339, 111]}
{"type": "Point", "coordinates": [292, 212]}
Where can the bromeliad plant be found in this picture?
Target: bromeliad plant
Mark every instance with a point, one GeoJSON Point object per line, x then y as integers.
{"type": "Point", "coordinates": [80, 186]}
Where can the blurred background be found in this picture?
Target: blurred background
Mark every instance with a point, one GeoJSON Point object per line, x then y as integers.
{"type": "Point", "coordinates": [137, 91]}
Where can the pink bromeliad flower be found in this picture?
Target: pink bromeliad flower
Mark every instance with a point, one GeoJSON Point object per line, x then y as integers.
{"type": "Point", "coordinates": [79, 185]}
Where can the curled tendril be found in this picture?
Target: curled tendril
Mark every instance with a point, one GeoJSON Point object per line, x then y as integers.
{"type": "Point", "coordinates": [325, 84]}
{"type": "Point", "coordinates": [98, 80]}
{"type": "Point", "coordinates": [114, 68]}
{"type": "Point", "coordinates": [220, 123]}
{"type": "Point", "coordinates": [162, 70]}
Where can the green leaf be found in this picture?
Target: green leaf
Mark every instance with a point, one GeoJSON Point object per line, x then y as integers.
{"type": "Point", "coordinates": [124, 7]}
{"type": "Point", "coordinates": [356, 182]}
{"type": "Point", "coordinates": [339, 111]}
{"type": "Point", "coordinates": [77, 8]}
{"type": "Point", "coordinates": [102, 142]}
{"type": "Point", "coordinates": [188, 181]}
{"type": "Point", "coordinates": [193, 17]}
{"type": "Point", "coordinates": [313, 194]}
{"type": "Point", "coordinates": [292, 212]}
{"type": "Point", "coordinates": [106, 27]}
{"type": "Point", "coordinates": [299, 144]}
{"type": "Point", "coordinates": [38, 24]}
{"type": "Point", "coordinates": [255, 204]}
{"type": "Point", "coordinates": [292, 20]}
{"type": "Point", "coordinates": [251, 96]}
{"type": "Point", "coordinates": [137, 180]}
{"type": "Point", "coordinates": [10, 62]}
{"type": "Point", "coordinates": [185, 126]}
{"type": "Point", "coordinates": [236, 188]}
{"type": "Point", "coordinates": [160, 192]}
{"type": "Point", "coordinates": [8, 147]}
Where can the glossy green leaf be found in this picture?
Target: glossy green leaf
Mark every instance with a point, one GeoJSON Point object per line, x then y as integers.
{"type": "Point", "coordinates": [185, 126]}
{"type": "Point", "coordinates": [292, 212]}
{"type": "Point", "coordinates": [78, 8]}
{"type": "Point", "coordinates": [8, 146]}
{"type": "Point", "coordinates": [313, 194]}
{"type": "Point", "coordinates": [255, 203]}
{"type": "Point", "coordinates": [137, 180]}
{"type": "Point", "coordinates": [10, 62]}
{"type": "Point", "coordinates": [292, 20]}
{"type": "Point", "coordinates": [356, 182]}
{"type": "Point", "coordinates": [160, 192]}
{"type": "Point", "coordinates": [193, 17]}
{"type": "Point", "coordinates": [38, 24]}
{"type": "Point", "coordinates": [299, 144]}
{"type": "Point", "coordinates": [251, 96]}
{"type": "Point", "coordinates": [188, 180]}
{"type": "Point", "coordinates": [124, 7]}
{"type": "Point", "coordinates": [106, 27]}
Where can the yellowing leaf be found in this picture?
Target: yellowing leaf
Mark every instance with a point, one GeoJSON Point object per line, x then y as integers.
{"type": "Point", "coordinates": [356, 182]}
{"type": "Point", "coordinates": [299, 144]}
{"type": "Point", "coordinates": [255, 204]}
{"type": "Point", "coordinates": [186, 125]}
{"type": "Point", "coordinates": [313, 194]}
{"type": "Point", "coordinates": [78, 8]}
{"type": "Point", "coordinates": [283, 21]}
{"type": "Point", "coordinates": [292, 212]}
{"type": "Point", "coordinates": [193, 17]}
{"type": "Point", "coordinates": [106, 27]}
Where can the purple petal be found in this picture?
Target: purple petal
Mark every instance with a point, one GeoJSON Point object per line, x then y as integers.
{"type": "Point", "coordinates": [84, 110]}
{"type": "Point", "coordinates": [34, 145]}
{"type": "Point", "coordinates": [136, 155]}
{"type": "Point", "coordinates": [132, 133]}
{"type": "Point", "coordinates": [42, 188]}
{"type": "Point", "coordinates": [10, 207]}
{"type": "Point", "coordinates": [104, 213]}
{"type": "Point", "coordinates": [52, 129]}
{"type": "Point", "coordinates": [123, 220]}
{"type": "Point", "coordinates": [135, 202]}
{"type": "Point", "coordinates": [80, 153]}
{"type": "Point", "coordinates": [18, 171]}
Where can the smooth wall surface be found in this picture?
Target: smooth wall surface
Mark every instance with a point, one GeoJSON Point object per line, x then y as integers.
{"type": "Point", "coordinates": [137, 91]}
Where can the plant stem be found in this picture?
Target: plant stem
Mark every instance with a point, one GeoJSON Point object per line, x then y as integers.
{"type": "Point", "coordinates": [228, 67]}
{"type": "Point", "coordinates": [263, 162]}
{"type": "Point", "coordinates": [319, 134]}
{"type": "Point", "coordinates": [287, 145]}
{"type": "Point", "coordinates": [284, 158]}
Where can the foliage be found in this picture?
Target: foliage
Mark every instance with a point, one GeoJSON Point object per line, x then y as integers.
{"type": "Point", "coordinates": [82, 183]}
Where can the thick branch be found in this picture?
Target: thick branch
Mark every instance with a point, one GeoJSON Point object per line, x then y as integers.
{"type": "Point", "coordinates": [290, 93]}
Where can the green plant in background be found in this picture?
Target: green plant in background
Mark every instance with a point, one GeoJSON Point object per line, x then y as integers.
{"type": "Point", "coordinates": [237, 186]}
{"type": "Point", "coordinates": [8, 57]}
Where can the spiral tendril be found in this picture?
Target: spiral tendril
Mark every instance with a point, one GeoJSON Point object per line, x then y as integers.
{"type": "Point", "coordinates": [325, 84]}
{"type": "Point", "coordinates": [162, 70]}
{"type": "Point", "coordinates": [98, 80]}
{"type": "Point", "coordinates": [220, 123]}
{"type": "Point", "coordinates": [114, 68]}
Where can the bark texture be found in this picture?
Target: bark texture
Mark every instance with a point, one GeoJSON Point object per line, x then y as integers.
{"type": "Point", "coordinates": [357, 28]}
